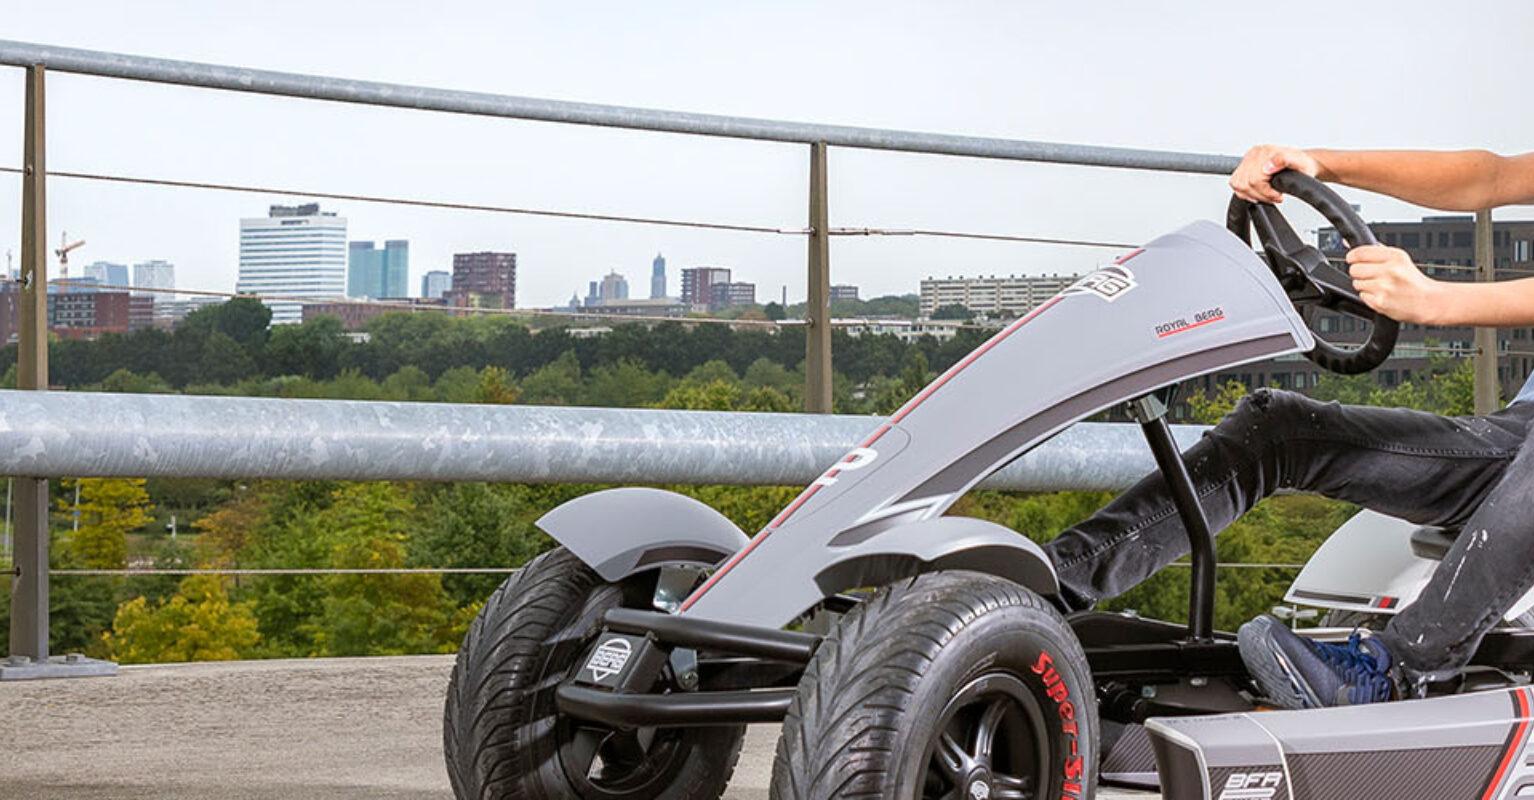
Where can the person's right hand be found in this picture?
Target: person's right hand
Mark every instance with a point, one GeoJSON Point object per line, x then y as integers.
{"type": "Point", "coordinates": [1253, 178]}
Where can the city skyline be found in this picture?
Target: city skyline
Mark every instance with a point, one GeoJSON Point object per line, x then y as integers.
{"type": "Point", "coordinates": [1013, 86]}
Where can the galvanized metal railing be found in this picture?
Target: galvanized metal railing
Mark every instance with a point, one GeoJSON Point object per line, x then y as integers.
{"type": "Point", "coordinates": [91, 435]}
{"type": "Point", "coordinates": [55, 435]}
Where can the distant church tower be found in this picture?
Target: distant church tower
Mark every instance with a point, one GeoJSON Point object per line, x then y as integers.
{"type": "Point", "coordinates": [658, 277]}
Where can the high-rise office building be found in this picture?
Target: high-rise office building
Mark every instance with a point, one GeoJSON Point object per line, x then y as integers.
{"type": "Point", "coordinates": [698, 283]}
{"type": "Point", "coordinates": [614, 287]}
{"type": "Point", "coordinates": [434, 284]}
{"type": "Point", "coordinates": [106, 273]}
{"type": "Point", "coordinates": [844, 293]}
{"type": "Point", "coordinates": [658, 277]}
{"type": "Point", "coordinates": [154, 275]}
{"type": "Point", "coordinates": [374, 273]}
{"type": "Point", "coordinates": [294, 251]}
{"type": "Point", "coordinates": [484, 279]}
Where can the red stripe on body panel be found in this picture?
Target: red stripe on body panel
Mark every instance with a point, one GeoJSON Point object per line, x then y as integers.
{"type": "Point", "coordinates": [1515, 744]}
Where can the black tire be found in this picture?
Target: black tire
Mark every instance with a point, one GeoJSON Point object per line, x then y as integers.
{"type": "Point", "coordinates": [502, 735]}
{"type": "Point", "coordinates": [934, 655]}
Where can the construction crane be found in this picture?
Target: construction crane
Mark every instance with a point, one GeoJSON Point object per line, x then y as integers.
{"type": "Point", "coordinates": [65, 246]}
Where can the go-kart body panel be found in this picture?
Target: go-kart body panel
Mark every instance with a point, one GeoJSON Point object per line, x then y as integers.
{"type": "Point", "coordinates": [1368, 565]}
{"type": "Point", "coordinates": [1192, 302]}
{"type": "Point", "coordinates": [1459, 746]}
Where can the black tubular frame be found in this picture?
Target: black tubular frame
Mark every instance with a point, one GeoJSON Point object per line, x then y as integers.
{"type": "Point", "coordinates": [746, 640]}
{"type": "Point", "coordinates": [1150, 412]}
{"type": "Point", "coordinates": [771, 650]}
{"type": "Point", "coordinates": [675, 710]}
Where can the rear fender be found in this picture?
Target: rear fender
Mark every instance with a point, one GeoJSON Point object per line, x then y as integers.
{"type": "Point", "coordinates": [938, 544]}
{"type": "Point", "coordinates": [618, 532]}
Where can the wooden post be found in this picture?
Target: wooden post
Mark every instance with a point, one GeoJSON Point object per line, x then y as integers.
{"type": "Point", "coordinates": [29, 586]}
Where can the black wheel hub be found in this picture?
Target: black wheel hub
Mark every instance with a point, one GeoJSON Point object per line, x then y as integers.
{"type": "Point", "coordinates": [618, 764]}
{"type": "Point", "coordinates": [991, 743]}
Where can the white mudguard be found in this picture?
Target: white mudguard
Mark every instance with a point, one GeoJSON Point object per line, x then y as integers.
{"type": "Point", "coordinates": [1471, 746]}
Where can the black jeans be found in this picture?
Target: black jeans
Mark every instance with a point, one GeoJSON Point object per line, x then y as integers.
{"type": "Point", "coordinates": [1469, 472]}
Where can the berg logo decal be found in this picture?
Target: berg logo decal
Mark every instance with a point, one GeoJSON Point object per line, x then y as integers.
{"type": "Point", "coordinates": [859, 458]}
{"type": "Point", "coordinates": [1110, 283]}
{"type": "Point", "coordinates": [1259, 785]}
{"type": "Point", "coordinates": [1208, 316]}
{"type": "Point", "coordinates": [1055, 688]}
{"type": "Point", "coordinates": [609, 659]}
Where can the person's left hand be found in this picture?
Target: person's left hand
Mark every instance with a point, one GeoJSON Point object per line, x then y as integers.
{"type": "Point", "coordinates": [1391, 284]}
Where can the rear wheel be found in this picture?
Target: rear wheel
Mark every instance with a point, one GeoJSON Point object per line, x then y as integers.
{"type": "Point", "coordinates": [950, 686]}
{"type": "Point", "coordinates": [502, 734]}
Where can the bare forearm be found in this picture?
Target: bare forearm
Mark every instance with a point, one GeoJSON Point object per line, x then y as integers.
{"type": "Point", "coordinates": [1505, 304]}
{"type": "Point", "coordinates": [1466, 180]}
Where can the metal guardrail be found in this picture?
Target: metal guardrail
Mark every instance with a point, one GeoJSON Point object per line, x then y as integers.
{"type": "Point", "coordinates": [314, 87]}
{"type": "Point", "coordinates": [84, 434]}
{"type": "Point", "coordinates": [53, 435]}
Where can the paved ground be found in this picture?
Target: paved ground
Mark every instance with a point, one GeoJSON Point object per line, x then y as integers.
{"type": "Point", "coordinates": [324, 729]}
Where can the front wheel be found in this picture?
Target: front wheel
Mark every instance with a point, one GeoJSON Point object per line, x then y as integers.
{"type": "Point", "coordinates": [949, 686]}
{"type": "Point", "coordinates": [504, 737]}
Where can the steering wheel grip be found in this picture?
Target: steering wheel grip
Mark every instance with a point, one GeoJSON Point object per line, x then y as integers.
{"type": "Point", "coordinates": [1317, 195]}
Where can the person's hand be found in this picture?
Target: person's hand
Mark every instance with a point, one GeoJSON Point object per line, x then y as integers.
{"type": "Point", "coordinates": [1391, 284]}
{"type": "Point", "coordinates": [1253, 178]}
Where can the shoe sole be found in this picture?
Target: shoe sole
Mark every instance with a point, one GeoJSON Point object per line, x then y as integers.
{"type": "Point", "coordinates": [1271, 668]}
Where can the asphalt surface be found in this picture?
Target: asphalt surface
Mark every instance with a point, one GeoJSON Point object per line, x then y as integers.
{"type": "Point", "coordinates": [321, 729]}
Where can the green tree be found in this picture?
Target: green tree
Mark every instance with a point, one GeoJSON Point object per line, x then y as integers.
{"type": "Point", "coordinates": [457, 385]}
{"type": "Point", "coordinates": [409, 383]}
{"type": "Point", "coordinates": [774, 311]}
{"type": "Point", "coordinates": [557, 383]}
{"type": "Point", "coordinates": [953, 311]}
{"type": "Point", "coordinates": [198, 623]}
{"type": "Point", "coordinates": [312, 349]}
{"type": "Point", "coordinates": [625, 384]}
{"type": "Point", "coordinates": [366, 528]}
{"type": "Point", "coordinates": [496, 386]}
{"type": "Point", "coordinates": [109, 509]}
{"type": "Point", "coordinates": [710, 371]}
{"type": "Point", "coordinates": [246, 320]}
{"type": "Point", "coordinates": [126, 382]}
{"type": "Point", "coordinates": [1208, 410]}
{"type": "Point", "coordinates": [481, 525]}
{"type": "Point", "coordinates": [223, 359]}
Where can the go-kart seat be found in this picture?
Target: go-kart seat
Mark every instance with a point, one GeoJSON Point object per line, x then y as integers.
{"type": "Point", "coordinates": [1433, 542]}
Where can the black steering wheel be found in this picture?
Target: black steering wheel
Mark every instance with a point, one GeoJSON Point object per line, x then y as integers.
{"type": "Point", "coordinates": [1308, 277]}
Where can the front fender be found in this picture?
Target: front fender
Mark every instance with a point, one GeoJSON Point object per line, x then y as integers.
{"type": "Point", "coordinates": [618, 532]}
{"type": "Point", "coordinates": [937, 544]}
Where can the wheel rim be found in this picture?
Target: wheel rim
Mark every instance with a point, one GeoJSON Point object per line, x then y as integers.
{"type": "Point", "coordinates": [607, 763]}
{"type": "Point", "coordinates": [991, 743]}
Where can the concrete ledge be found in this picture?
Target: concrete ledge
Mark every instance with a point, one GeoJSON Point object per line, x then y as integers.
{"type": "Point", "coordinates": [74, 665]}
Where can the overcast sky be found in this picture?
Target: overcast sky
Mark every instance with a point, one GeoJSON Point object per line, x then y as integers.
{"type": "Point", "coordinates": [1207, 77]}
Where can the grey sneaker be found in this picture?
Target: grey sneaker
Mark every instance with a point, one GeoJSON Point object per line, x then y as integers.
{"type": "Point", "coordinates": [1295, 672]}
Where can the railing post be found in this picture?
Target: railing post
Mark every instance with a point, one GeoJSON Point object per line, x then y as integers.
{"type": "Point", "coordinates": [29, 586]}
{"type": "Point", "coordinates": [1488, 389]}
{"type": "Point", "coordinates": [817, 312]}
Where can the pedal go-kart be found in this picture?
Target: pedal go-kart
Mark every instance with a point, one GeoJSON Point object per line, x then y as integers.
{"type": "Point", "coordinates": [908, 654]}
